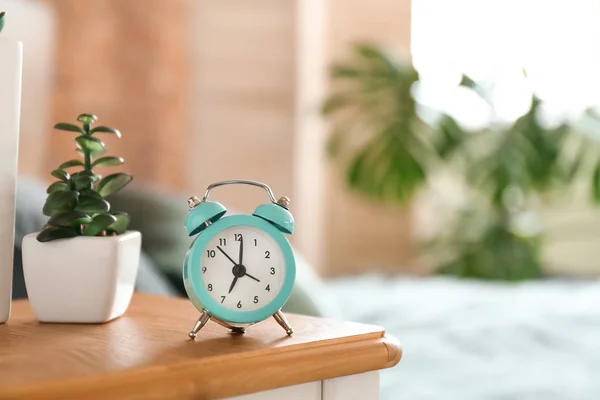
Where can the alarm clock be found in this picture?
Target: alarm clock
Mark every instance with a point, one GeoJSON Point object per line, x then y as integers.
{"type": "Point", "coordinates": [240, 269]}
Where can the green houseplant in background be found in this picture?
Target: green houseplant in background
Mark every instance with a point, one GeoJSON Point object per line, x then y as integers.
{"type": "Point", "coordinates": [2, 20]}
{"type": "Point", "coordinates": [389, 153]}
{"type": "Point", "coordinates": [76, 203]}
{"type": "Point", "coordinates": [81, 268]}
{"type": "Point", "coordinates": [376, 133]}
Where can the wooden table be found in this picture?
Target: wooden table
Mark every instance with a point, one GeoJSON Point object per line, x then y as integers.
{"type": "Point", "coordinates": [147, 354]}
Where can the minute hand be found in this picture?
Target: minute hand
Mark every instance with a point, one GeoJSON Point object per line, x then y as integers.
{"type": "Point", "coordinates": [225, 254]}
{"type": "Point", "coordinates": [241, 250]}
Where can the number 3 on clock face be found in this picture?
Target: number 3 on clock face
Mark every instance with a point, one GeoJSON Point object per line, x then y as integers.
{"type": "Point", "coordinates": [241, 269]}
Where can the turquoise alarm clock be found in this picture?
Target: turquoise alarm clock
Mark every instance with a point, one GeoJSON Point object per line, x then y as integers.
{"type": "Point", "coordinates": [240, 269]}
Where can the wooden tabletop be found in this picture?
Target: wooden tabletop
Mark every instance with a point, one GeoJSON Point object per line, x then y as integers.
{"type": "Point", "coordinates": [147, 354]}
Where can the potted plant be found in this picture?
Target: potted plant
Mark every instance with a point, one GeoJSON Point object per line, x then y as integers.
{"type": "Point", "coordinates": [81, 268]}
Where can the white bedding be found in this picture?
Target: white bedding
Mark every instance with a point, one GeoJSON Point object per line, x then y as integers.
{"type": "Point", "coordinates": [476, 340]}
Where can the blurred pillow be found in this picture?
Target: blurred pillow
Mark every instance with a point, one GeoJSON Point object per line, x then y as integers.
{"type": "Point", "coordinates": [160, 216]}
{"type": "Point", "coordinates": [309, 296]}
{"type": "Point", "coordinates": [31, 196]}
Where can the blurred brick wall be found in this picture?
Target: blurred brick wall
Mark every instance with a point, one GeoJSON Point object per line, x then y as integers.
{"type": "Point", "coordinates": [364, 235]}
{"type": "Point", "coordinates": [125, 61]}
{"type": "Point", "coordinates": [205, 90]}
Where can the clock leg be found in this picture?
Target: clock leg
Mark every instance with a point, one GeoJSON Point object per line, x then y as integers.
{"type": "Point", "coordinates": [204, 317]}
{"type": "Point", "coordinates": [282, 320]}
{"type": "Point", "coordinates": [234, 329]}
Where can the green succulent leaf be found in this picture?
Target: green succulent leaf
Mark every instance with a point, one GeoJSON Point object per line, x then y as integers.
{"type": "Point", "coordinates": [91, 144]}
{"type": "Point", "coordinates": [84, 183]}
{"type": "Point", "coordinates": [72, 218]}
{"type": "Point", "coordinates": [64, 126]}
{"type": "Point", "coordinates": [83, 174]}
{"type": "Point", "coordinates": [84, 179]}
{"type": "Point", "coordinates": [88, 194]}
{"type": "Point", "coordinates": [2, 20]}
{"type": "Point", "coordinates": [87, 118]}
{"type": "Point", "coordinates": [71, 163]}
{"type": "Point", "coordinates": [56, 186]}
{"type": "Point", "coordinates": [121, 224]}
{"type": "Point", "coordinates": [113, 183]}
{"type": "Point", "coordinates": [60, 202]}
{"type": "Point", "coordinates": [61, 174]}
{"type": "Point", "coordinates": [53, 233]}
{"type": "Point", "coordinates": [108, 161]}
{"type": "Point", "coordinates": [93, 205]}
{"type": "Point", "coordinates": [106, 129]}
{"type": "Point", "coordinates": [99, 223]}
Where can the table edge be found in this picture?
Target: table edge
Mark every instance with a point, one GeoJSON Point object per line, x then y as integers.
{"type": "Point", "coordinates": [322, 360]}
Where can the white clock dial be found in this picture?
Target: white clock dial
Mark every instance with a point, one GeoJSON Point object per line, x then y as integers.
{"type": "Point", "coordinates": [245, 284]}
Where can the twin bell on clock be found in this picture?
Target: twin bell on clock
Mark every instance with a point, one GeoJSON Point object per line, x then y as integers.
{"type": "Point", "coordinates": [240, 269]}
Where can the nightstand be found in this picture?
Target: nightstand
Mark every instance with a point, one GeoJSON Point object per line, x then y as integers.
{"type": "Point", "coordinates": [146, 354]}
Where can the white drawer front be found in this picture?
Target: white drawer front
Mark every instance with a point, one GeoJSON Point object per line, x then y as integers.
{"type": "Point", "coordinates": [354, 387]}
{"type": "Point", "coordinates": [307, 391]}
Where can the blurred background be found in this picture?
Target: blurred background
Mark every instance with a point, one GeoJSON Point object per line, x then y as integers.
{"type": "Point", "coordinates": [421, 142]}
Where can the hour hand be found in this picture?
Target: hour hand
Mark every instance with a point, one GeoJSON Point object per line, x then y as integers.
{"type": "Point", "coordinates": [233, 284]}
{"type": "Point", "coordinates": [225, 254]}
{"type": "Point", "coordinates": [251, 277]}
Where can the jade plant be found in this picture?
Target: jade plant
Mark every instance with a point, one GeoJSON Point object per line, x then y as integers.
{"type": "Point", "coordinates": [76, 202]}
{"type": "Point", "coordinates": [2, 20]}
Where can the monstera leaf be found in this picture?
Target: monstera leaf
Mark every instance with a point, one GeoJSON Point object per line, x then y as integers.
{"type": "Point", "coordinates": [2, 20]}
{"type": "Point", "coordinates": [376, 132]}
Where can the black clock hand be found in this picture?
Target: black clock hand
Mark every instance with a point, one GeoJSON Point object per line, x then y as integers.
{"type": "Point", "coordinates": [225, 254]}
{"type": "Point", "coordinates": [241, 250]}
{"type": "Point", "coordinates": [233, 284]}
{"type": "Point", "coordinates": [250, 276]}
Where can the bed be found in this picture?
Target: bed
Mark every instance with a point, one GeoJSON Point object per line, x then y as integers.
{"type": "Point", "coordinates": [476, 340]}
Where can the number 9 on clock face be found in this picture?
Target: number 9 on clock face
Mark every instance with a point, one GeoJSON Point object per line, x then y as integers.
{"type": "Point", "coordinates": [242, 268]}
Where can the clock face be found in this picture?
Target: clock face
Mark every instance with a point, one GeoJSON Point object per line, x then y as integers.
{"type": "Point", "coordinates": [242, 268]}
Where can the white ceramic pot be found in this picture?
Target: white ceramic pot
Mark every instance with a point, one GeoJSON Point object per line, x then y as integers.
{"type": "Point", "coordinates": [83, 279]}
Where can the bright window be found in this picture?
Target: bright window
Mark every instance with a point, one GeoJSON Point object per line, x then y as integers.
{"type": "Point", "coordinates": [557, 42]}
